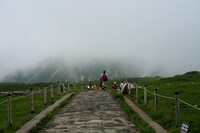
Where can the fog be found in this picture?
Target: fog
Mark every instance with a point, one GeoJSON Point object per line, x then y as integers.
{"type": "Point", "coordinates": [161, 37]}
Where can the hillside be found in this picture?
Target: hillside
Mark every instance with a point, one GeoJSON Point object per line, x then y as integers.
{"type": "Point", "coordinates": [60, 70]}
{"type": "Point", "coordinates": [188, 85]}
{"type": "Point", "coordinates": [189, 77]}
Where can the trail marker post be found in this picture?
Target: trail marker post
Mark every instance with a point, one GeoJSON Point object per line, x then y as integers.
{"type": "Point", "coordinates": [9, 110]}
{"type": "Point", "coordinates": [185, 127]}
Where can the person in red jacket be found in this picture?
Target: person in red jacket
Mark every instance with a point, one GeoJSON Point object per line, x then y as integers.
{"type": "Point", "coordinates": [103, 80]}
{"type": "Point", "coordinates": [114, 86]}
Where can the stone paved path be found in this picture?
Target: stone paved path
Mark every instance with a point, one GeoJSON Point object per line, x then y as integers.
{"type": "Point", "coordinates": [91, 112]}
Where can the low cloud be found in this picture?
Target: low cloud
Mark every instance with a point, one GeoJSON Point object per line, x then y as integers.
{"type": "Point", "coordinates": [160, 37]}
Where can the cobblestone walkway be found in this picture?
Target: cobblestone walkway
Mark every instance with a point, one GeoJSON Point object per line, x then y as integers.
{"type": "Point", "coordinates": [91, 112]}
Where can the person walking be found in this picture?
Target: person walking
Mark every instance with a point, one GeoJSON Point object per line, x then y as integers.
{"type": "Point", "coordinates": [103, 80]}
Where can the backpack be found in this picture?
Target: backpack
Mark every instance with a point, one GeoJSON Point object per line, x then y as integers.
{"type": "Point", "coordinates": [104, 77]}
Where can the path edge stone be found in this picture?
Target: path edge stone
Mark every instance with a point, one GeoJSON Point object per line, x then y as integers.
{"type": "Point", "coordinates": [38, 118]}
{"type": "Point", "coordinates": [158, 128]}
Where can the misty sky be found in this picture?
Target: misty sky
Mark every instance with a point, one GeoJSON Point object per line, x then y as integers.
{"type": "Point", "coordinates": [156, 34]}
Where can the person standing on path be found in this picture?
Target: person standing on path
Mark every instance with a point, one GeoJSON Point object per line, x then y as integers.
{"type": "Point", "coordinates": [103, 80]}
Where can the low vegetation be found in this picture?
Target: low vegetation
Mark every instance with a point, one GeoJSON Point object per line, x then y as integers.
{"type": "Point", "coordinates": [21, 109]}
{"type": "Point", "coordinates": [189, 87]}
{"type": "Point", "coordinates": [187, 84]}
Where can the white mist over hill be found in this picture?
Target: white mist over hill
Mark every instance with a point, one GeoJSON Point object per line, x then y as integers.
{"type": "Point", "coordinates": [58, 69]}
{"type": "Point", "coordinates": [157, 37]}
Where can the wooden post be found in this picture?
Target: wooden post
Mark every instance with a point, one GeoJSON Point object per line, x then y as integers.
{"type": "Point", "coordinates": [145, 95]}
{"type": "Point", "coordinates": [45, 96]}
{"type": "Point", "coordinates": [68, 87]}
{"type": "Point", "coordinates": [63, 87]}
{"type": "Point", "coordinates": [129, 91]}
{"type": "Point", "coordinates": [136, 94]}
{"type": "Point", "coordinates": [58, 88]}
{"type": "Point", "coordinates": [74, 85]}
{"type": "Point", "coordinates": [9, 110]}
{"type": "Point", "coordinates": [32, 102]}
{"type": "Point", "coordinates": [51, 90]}
{"type": "Point", "coordinates": [177, 108]}
{"type": "Point", "coordinates": [156, 99]}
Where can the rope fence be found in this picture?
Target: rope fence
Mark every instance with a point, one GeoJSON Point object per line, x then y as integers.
{"type": "Point", "coordinates": [31, 93]}
{"type": "Point", "coordinates": [22, 96]}
{"type": "Point", "coordinates": [172, 98]}
{"type": "Point", "coordinates": [173, 110]}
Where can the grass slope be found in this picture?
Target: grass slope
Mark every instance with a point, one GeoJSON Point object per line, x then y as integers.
{"type": "Point", "coordinates": [21, 107]}
{"type": "Point", "coordinates": [189, 87]}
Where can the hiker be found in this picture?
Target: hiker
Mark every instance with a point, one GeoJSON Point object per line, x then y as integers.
{"type": "Point", "coordinates": [103, 80]}
{"type": "Point", "coordinates": [114, 86]}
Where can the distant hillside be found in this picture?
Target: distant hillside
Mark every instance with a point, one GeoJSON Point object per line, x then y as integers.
{"type": "Point", "coordinates": [189, 77]}
{"type": "Point", "coordinates": [59, 70]}
{"type": "Point", "coordinates": [193, 76]}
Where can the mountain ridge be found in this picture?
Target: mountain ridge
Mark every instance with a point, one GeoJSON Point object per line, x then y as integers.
{"type": "Point", "coordinates": [53, 70]}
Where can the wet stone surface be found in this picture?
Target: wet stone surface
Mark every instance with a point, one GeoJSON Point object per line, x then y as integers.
{"type": "Point", "coordinates": [91, 112]}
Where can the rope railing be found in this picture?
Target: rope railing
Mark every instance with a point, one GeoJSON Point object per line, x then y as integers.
{"type": "Point", "coordinates": [3, 102]}
{"type": "Point", "coordinates": [23, 96]}
{"type": "Point", "coordinates": [26, 95]}
{"type": "Point", "coordinates": [193, 106]}
{"type": "Point", "coordinates": [167, 97]}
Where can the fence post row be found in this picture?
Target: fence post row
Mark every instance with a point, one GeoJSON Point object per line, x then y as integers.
{"type": "Point", "coordinates": [9, 110]}
{"type": "Point", "coordinates": [145, 95]}
{"type": "Point", "coordinates": [177, 109]}
{"type": "Point", "coordinates": [45, 95]}
{"type": "Point", "coordinates": [58, 88]}
{"type": "Point", "coordinates": [156, 99]}
{"type": "Point", "coordinates": [136, 92]}
{"type": "Point", "coordinates": [32, 103]}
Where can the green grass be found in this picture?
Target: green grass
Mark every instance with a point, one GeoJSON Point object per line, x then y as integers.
{"type": "Point", "coordinates": [142, 125]}
{"type": "Point", "coordinates": [21, 109]}
{"type": "Point", "coordinates": [189, 87]}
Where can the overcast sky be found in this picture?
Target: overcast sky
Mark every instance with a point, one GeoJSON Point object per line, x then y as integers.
{"type": "Point", "coordinates": [163, 34]}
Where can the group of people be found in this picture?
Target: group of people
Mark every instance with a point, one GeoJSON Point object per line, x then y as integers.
{"type": "Point", "coordinates": [103, 82]}
{"type": "Point", "coordinates": [91, 87]}
{"type": "Point", "coordinates": [123, 87]}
